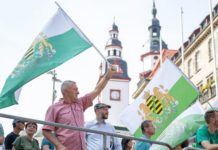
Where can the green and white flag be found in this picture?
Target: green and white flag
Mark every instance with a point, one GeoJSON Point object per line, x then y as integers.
{"type": "Point", "coordinates": [59, 41]}
{"type": "Point", "coordinates": [166, 96]}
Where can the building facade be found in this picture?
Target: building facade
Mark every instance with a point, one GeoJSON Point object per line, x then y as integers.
{"type": "Point", "coordinates": [199, 59]}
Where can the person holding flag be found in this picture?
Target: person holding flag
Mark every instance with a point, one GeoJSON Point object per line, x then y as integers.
{"type": "Point", "coordinates": [69, 110]}
{"type": "Point", "coordinates": [59, 41]}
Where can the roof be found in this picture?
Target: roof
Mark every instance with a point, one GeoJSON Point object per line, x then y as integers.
{"type": "Point", "coordinates": [122, 73]}
{"type": "Point", "coordinates": [113, 42]}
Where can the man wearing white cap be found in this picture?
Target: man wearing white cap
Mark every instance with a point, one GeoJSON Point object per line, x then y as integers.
{"type": "Point", "coordinates": [95, 141]}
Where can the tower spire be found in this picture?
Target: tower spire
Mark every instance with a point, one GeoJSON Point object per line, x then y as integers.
{"type": "Point", "coordinates": [114, 46]}
{"type": "Point", "coordinates": [154, 30]}
{"type": "Point", "coordinates": [154, 10]}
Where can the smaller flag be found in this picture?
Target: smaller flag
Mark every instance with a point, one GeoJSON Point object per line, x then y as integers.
{"type": "Point", "coordinates": [166, 96]}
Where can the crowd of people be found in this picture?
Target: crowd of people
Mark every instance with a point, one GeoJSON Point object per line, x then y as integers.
{"type": "Point", "coordinates": [69, 110]}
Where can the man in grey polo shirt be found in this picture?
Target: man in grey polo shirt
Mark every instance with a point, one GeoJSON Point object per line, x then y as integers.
{"type": "Point", "coordinates": [95, 141]}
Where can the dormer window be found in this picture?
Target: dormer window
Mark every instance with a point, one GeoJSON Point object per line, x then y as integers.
{"type": "Point", "coordinates": [205, 23]}
{"type": "Point", "coordinates": [193, 37]}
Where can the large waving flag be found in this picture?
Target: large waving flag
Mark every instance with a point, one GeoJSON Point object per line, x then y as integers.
{"type": "Point", "coordinates": [166, 96]}
{"type": "Point", "coordinates": [59, 41]}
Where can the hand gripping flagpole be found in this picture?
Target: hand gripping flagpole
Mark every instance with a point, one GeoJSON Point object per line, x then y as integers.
{"type": "Point", "coordinates": [84, 34]}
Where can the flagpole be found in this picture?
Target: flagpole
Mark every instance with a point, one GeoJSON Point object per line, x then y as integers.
{"type": "Point", "coordinates": [84, 35]}
{"type": "Point", "coordinates": [210, 105]}
{"type": "Point", "coordinates": [160, 41]}
{"type": "Point", "coordinates": [182, 46]}
{"type": "Point", "coordinates": [213, 46]}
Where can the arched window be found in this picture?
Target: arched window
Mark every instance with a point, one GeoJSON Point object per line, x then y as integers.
{"type": "Point", "coordinates": [114, 52]}
{"type": "Point", "coordinates": [189, 68]}
{"type": "Point", "coordinates": [197, 61]}
{"type": "Point", "coordinates": [210, 49]}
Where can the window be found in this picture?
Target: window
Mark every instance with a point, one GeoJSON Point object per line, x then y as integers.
{"type": "Point", "coordinates": [155, 43]}
{"type": "Point", "coordinates": [208, 90]}
{"type": "Point", "coordinates": [206, 96]}
{"type": "Point", "coordinates": [189, 68]}
{"type": "Point", "coordinates": [197, 61]}
{"type": "Point", "coordinates": [108, 53]}
{"type": "Point", "coordinates": [154, 33]}
{"type": "Point", "coordinates": [210, 50]}
{"type": "Point", "coordinates": [211, 86]}
{"type": "Point", "coordinates": [200, 86]}
{"type": "Point", "coordinates": [114, 52]}
{"type": "Point", "coordinates": [118, 69]}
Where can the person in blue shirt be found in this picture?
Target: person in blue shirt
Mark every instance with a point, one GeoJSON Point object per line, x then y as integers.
{"type": "Point", "coordinates": [46, 144]}
{"type": "Point", "coordinates": [148, 130]}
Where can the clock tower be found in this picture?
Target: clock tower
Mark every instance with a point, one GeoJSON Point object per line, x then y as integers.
{"type": "Point", "coordinates": [116, 92]}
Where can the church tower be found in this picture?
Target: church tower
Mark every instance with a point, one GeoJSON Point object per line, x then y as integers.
{"type": "Point", "coordinates": [116, 93]}
{"type": "Point", "coordinates": [153, 49]}
{"type": "Point", "coordinates": [150, 57]}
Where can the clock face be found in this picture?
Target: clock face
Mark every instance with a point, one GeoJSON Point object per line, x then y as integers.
{"type": "Point", "coordinates": [115, 94]}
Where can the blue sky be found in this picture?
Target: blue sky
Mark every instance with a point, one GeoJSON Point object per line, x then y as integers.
{"type": "Point", "coordinates": [22, 20]}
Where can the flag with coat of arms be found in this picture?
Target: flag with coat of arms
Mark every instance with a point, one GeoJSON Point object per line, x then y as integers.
{"type": "Point", "coordinates": [166, 96]}
{"type": "Point", "coordinates": [58, 42]}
